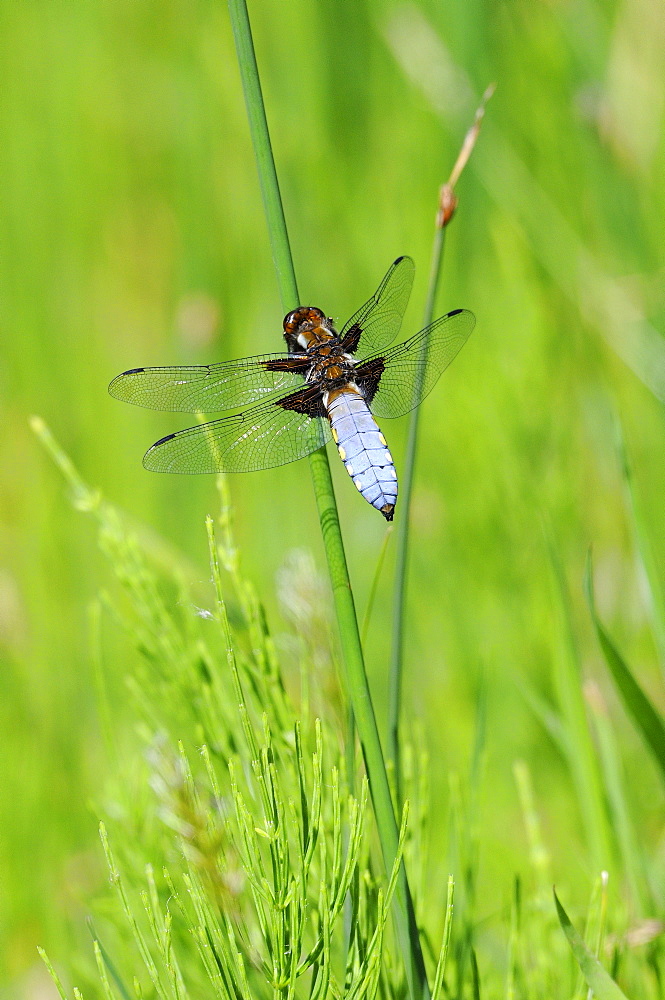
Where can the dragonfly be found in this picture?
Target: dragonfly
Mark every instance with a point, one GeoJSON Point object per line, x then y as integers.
{"type": "Point", "coordinates": [328, 384]}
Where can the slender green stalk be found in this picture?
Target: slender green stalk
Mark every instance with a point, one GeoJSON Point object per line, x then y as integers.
{"type": "Point", "coordinates": [446, 211]}
{"type": "Point", "coordinates": [265, 162]}
{"type": "Point", "coordinates": [364, 629]}
{"type": "Point", "coordinates": [356, 677]}
{"type": "Point", "coordinates": [403, 524]}
{"type": "Point", "coordinates": [369, 607]}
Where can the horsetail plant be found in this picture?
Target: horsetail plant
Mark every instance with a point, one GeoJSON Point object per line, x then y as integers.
{"type": "Point", "coordinates": [290, 860]}
{"type": "Point", "coordinates": [270, 846]}
{"type": "Point", "coordinates": [251, 839]}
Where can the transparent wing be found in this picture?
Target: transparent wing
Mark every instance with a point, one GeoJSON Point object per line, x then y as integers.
{"type": "Point", "coordinates": [400, 378]}
{"type": "Point", "coordinates": [260, 438]}
{"type": "Point", "coordinates": [206, 388]}
{"type": "Point", "coordinates": [377, 323]}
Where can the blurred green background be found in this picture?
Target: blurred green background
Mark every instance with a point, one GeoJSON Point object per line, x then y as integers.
{"type": "Point", "coordinates": [132, 233]}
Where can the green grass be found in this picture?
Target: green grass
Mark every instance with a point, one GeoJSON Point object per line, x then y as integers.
{"type": "Point", "coordinates": [232, 842]}
{"type": "Point", "coordinates": [133, 234]}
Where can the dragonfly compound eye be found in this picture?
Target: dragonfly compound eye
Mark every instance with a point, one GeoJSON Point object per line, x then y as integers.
{"type": "Point", "coordinates": [292, 319]}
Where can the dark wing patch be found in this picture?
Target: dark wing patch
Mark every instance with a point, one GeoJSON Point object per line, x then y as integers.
{"type": "Point", "coordinates": [307, 400]}
{"type": "Point", "coordinates": [300, 363]}
{"type": "Point", "coordinates": [368, 376]}
{"type": "Point", "coordinates": [379, 319]}
{"type": "Point", "coordinates": [352, 339]}
{"type": "Point", "coordinates": [262, 437]}
{"type": "Point", "coordinates": [207, 388]}
{"type": "Point", "coordinates": [411, 370]}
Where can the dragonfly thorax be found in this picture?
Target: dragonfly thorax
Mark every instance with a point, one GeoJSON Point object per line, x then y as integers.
{"type": "Point", "coordinates": [331, 367]}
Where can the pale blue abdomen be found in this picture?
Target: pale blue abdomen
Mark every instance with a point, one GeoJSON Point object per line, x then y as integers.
{"type": "Point", "coordinates": [362, 448]}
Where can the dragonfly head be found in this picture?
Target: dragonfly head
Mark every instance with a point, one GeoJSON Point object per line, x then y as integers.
{"type": "Point", "coordinates": [302, 318]}
{"type": "Point", "coordinates": [306, 326]}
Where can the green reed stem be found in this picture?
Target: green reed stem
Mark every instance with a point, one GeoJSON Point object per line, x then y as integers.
{"type": "Point", "coordinates": [446, 211]}
{"type": "Point", "coordinates": [356, 677]}
{"type": "Point", "coordinates": [403, 525]}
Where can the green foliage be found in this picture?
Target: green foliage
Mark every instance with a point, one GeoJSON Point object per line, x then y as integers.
{"type": "Point", "coordinates": [269, 848]}
{"type": "Point", "coordinates": [645, 716]}
{"type": "Point", "coordinates": [249, 870]}
{"type": "Point", "coordinates": [133, 234]}
{"type": "Point", "coordinates": [603, 986]}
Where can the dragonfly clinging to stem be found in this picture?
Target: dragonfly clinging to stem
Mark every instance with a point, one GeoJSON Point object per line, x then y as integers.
{"type": "Point", "coordinates": [328, 384]}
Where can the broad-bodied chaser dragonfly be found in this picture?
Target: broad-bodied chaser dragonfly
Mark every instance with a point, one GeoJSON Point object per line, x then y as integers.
{"type": "Point", "coordinates": [328, 384]}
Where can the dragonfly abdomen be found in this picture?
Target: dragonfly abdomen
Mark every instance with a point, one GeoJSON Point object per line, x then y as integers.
{"type": "Point", "coordinates": [362, 448]}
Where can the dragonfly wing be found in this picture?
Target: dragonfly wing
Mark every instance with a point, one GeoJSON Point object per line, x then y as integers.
{"type": "Point", "coordinates": [377, 323]}
{"type": "Point", "coordinates": [262, 437]}
{"type": "Point", "coordinates": [207, 388]}
{"type": "Point", "coordinates": [399, 379]}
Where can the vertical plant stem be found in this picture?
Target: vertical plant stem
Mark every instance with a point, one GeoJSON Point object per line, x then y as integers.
{"type": "Point", "coordinates": [265, 163]}
{"type": "Point", "coordinates": [356, 678]}
{"type": "Point", "coordinates": [403, 526]}
{"type": "Point", "coordinates": [446, 211]}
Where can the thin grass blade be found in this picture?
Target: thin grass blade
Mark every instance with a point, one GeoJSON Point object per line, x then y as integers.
{"type": "Point", "coordinates": [597, 978]}
{"type": "Point", "coordinates": [647, 719]}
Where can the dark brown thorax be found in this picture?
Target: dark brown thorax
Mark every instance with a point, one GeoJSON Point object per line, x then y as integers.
{"type": "Point", "coordinates": [308, 329]}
